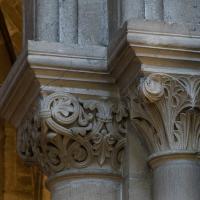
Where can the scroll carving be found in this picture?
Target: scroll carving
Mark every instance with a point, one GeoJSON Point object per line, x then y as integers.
{"type": "Point", "coordinates": [166, 110]}
{"type": "Point", "coordinates": [68, 132]}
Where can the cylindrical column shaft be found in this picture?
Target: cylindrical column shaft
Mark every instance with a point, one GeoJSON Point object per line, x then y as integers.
{"type": "Point", "coordinates": [85, 187]}
{"type": "Point", "coordinates": [177, 179]}
{"type": "Point", "coordinates": [68, 21]}
{"type": "Point", "coordinates": [47, 20]}
{"type": "Point", "coordinates": [154, 9]}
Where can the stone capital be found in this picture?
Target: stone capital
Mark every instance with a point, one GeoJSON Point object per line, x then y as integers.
{"type": "Point", "coordinates": [64, 132]}
{"type": "Point", "coordinates": [166, 111]}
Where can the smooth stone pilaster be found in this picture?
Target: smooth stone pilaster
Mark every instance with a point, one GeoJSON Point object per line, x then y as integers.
{"type": "Point", "coordinates": [68, 21]}
{"type": "Point", "coordinates": [133, 9]}
{"type": "Point", "coordinates": [85, 187]}
{"type": "Point", "coordinates": [47, 25]}
{"type": "Point", "coordinates": [92, 22]}
{"type": "Point", "coordinates": [183, 12]}
{"type": "Point", "coordinates": [176, 178]}
{"type": "Point", "coordinates": [154, 9]}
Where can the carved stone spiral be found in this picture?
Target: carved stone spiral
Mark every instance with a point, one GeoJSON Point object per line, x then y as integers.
{"type": "Point", "coordinates": [152, 88]}
{"type": "Point", "coordinates": [74, 133]}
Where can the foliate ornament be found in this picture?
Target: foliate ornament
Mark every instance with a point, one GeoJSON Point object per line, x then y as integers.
{"type": "Point", "coordinates": [152, 88]}
{"type": "Point", "coordinates": [166, 111]}
{"type": "Point", "coordinates": [28, 133]}
{"type": "Point", "coordinates": [74, 133]}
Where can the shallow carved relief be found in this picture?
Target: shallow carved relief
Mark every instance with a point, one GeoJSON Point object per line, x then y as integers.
{"type": "Point", "coordinates": [73, 133]}
{"type": "Point", "coordinates": [166, 110]}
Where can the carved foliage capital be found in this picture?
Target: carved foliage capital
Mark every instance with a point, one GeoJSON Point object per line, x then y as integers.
{"type": "Point", "coordinates": [166, 110]}
{"type": "Point", "coordinates": [66, 132]}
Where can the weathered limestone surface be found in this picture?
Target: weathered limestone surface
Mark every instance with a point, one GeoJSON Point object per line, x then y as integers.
{"type": "Point", "coordinates": [68, 21]}
{"type": "Point", "coordinates": [86, 57]}
{"type": "Point", "coordinates": [47, 23]}
{"type": "Point", "coordinates": [183, 12]}
{"type": "Point", "coordinates": [133, 9]}
{"type": "Point", "coordinates": [176, 11]}
{"type": "Point", "coordinates": [95, 13]}
{"type": "Point", "coordinates": [154, 9]}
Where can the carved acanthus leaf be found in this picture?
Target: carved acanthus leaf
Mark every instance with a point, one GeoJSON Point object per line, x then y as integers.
{"type": "Point", "coordinates": [74, 133]}
{"type": "Point", "coordinates": [166, 111]}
